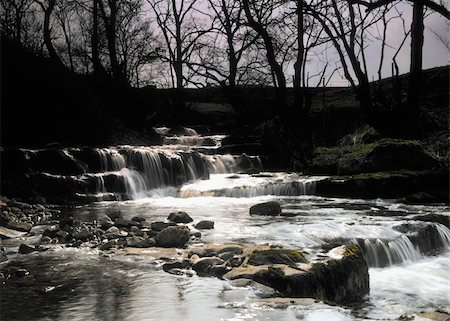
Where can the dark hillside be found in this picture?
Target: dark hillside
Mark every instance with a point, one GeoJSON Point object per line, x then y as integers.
{"type": "Point", "coordinates": [43, 103]}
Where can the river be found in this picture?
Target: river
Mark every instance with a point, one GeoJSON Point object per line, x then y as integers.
{"type": "Point", "coordinates": [88, 284]}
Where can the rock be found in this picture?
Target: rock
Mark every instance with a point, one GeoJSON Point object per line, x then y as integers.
{"type": "Point", "coordinates": [115, 215]}
{"type": "Point", "coordinates": [108, 245]}
{"type": "Point", "coordinates": [205, 225]}
{"type": "Point", "coordinates": [382, 184]}
{"type": "Point", "coordinates": [19, 226]}
{"type": "Point", "coordinates": [106, 222]}
{"type": "Point", "coordinates": [113, 229]}
{"type": "Point", "coordinates": [180, 217]}
{"type": "Point", "coordinates": [159, 226]}
{"type": "Point", "coordinates": [196, 234]}
{"type": "Point", "coordinates": [204, 265]}
{"type": "Point", "coordinates": [173, 236]}
{"type": "Point", "coordinates": [342, 278]}
{"type": "Point", "coordinates": [26, 249]}
{"type": "Point", "coordinates": [84, 235]}
{"type": "Point", "coordinates": [120, 222]}
{"type": "Point", "coordinates": [434, 218]}
{"type": "Point", "coordinates": [20, 273]}
{"type": "Point", "coordinates": [271, 208]}
{"type": "Point", "coordinates": [66, 223]}
{"type": "Point", "coordinates": [184, 264]}
{"type": "Point", "coordinates": [216, 250]}
{"type": "Point", "coordinates": [276, 256]}
{"type": "Point", "coordinates": [425, 316]}
{"type": "Point", "coordinates": [45, 240]}
{"type": "Point", "coordinates": [140, 242]}
{"type": "Point", "coordinates": [138, 219]}
{"type": "Point", "coordinates": [6, 233]}
{"type": "Point", "coordinates": [3, 258]}
{"type": "Point", "coordinates": [57, 162]}
{"type": "Point", "coordinates": [135, 229]}
{"type": "Point", "coordinates": [384, 155]}
{"type": "Point", "coordinates": [51, 231]}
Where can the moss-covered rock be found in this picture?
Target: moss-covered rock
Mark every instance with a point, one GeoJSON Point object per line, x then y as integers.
{"type": "Point", "coordinates": [276, 256]}
{"type": "Point", "coordinates": [341, 278]}
{"type": "Point", "coordinates": [434, 218]}
{"type": "Point", "coordinates": [384, 155]}
{"type": "Point", "coordinates": [398, 184]}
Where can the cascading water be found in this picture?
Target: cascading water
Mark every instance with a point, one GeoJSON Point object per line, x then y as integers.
{"type": "Point", "coordinates": [382, 253]}
{"type": "Point", "coordinates": [221, 188]}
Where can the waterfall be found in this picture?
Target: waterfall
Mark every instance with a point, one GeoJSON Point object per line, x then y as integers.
{"type": "Point", "coordinates": [444, 234]}
{"type": "Point", "coordinates": [382, 253]}
{"type": "Point", "coordinates": [220, 164]}
{"type": "Point", "coordinates": [130, 172]}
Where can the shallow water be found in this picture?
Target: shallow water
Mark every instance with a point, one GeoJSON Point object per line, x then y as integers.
{"type": "Point", "coordinates": [83, 284]}
{"type": "Point", "coordinates": [87, 284]}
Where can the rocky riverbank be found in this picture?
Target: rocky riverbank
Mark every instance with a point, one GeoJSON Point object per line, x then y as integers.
{"type": "Point", "coordinates": [337, 272]}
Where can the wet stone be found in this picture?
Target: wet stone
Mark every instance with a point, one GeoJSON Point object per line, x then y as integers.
{"type": "Point", "coordinates": [180, 217]}
{"type": "Point", "coordinates": [140, 242]}
{"type": "Point", "coordinates": [176, 265]}
{"type": "Point", "coordinates": [159, 226]}
{"type": "Point", "coordinates": [26, 249]}
{"type": "Point", "coordinates": [84, 235]}
{"type": "Point", "coordinates": [108, 245]}
{"type": "Point", "coordinates": [45, 240]}
{"type": "Point", "coordinates": [138, 219]}
{"type": "Point", "coordinates": [266, 209]}
{"type": "Point", "coordinates": [205, 225]}
{"type": "Point", "coordinates": [115, 215]}
{"type": "Point", "coordinates": [173, 236]}
{"type": "Point", "coordinates": [106, 222]}
{"type": "Point", "coordinates": [3, 258]}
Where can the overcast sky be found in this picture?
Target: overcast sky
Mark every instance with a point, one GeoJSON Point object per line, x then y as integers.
{"type": "Point", "coordinates": [434, 51]}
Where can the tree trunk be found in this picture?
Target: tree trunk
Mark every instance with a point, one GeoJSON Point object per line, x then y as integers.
{"type": "Point", "coordinates": [111, 39]}
{"type": "Point", "coordinates": [178, 63]}
{"type": "Point", "coordinates": [299, 62]}
{"type": "Point", "coordinates": [47, 33]}
{"type": "Point", "coordinates": [270, 53]}
{"type": "Point", "coordinates": [414, 88]}
{"type": "Point", "coordinates": [98, 68]}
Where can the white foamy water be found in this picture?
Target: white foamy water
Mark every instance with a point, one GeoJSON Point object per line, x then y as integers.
{"type": "Point", "coordinates": [86, 284]}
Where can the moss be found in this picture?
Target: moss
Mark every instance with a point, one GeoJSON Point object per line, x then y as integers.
{"type": "Point", "coordinates": [276, 256]}
{"type": "Point", "coordinates": [351, 250]}
{"type": "Point", "coordinates": [376, 175]}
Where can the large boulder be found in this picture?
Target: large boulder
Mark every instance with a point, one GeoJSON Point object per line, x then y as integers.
{"type": "Point", "coordinates": [387, 185]}
{"type": "Point", "coordinates": [56, 161]}
{"type": "Point", "coordinates": [341, 277]}
{"type": "Point", "coordinates": [173, 236]}
{"type": "Point", "coordinates": [271, 208]}
{"type": "Point", "coordinates": [384, 155]}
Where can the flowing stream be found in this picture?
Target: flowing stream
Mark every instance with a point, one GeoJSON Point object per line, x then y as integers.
{"type": "Point", "coordinates": [86, 284]}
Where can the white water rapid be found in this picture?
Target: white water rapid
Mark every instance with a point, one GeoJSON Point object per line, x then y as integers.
{"type": "Point", "coordinates": [188, 174]}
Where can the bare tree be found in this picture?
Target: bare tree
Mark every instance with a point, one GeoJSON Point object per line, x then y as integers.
{"type": "Point", "coordinates": [181, 31]}
{"type": "Point", "coordinates": [255, 14]}
{"type": "Point", "coordinates": [417, 30]}
{"type": "Point", "coordinates": [345, 25]}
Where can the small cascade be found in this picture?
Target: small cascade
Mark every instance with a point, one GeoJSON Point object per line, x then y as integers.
{"type": "Point", "coordinates": [444, 234]}
{"type": "Point", "coordinates": [244, 185]}
{"type": "Point", "coordinates": [221, 164]}
{"type": "Point", "coordinates": [110, 159]}
{"type": "Point", "coordinates": [382, 253]}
